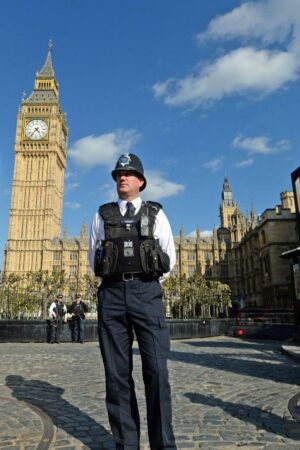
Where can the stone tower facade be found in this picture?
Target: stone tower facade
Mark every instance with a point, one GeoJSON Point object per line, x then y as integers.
{"type": "Point", "coordinates": [232, 220]}
{"type": "Point", "coordinates": [38, 180]}
{"type": "Point", "coordinates": [208, 255]}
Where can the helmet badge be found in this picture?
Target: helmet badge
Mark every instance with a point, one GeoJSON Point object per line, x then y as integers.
{"type": "Point", "coordinates": [125, 160]}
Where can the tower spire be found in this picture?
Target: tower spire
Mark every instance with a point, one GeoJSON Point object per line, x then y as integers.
{"type": "Point", "coordinates": [45, 85]}
{"type": "Point", "coordinates": [181, 234]}
{"type": "Point", "coordinates": [83, 231]}
{"type": "Point", "coordinates": [48, 69]}
{"type": "Point", "coordinates": [198, 234]}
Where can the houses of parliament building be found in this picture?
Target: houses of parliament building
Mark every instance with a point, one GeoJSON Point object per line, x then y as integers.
{"type": "Point", "coordinates": [243, 252]}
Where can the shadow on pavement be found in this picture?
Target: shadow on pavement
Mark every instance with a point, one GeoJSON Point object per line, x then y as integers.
{"type": "Point", "coordinates": [264, 350]}
{"type": "Point", "coordinates": [238, 344]}
{"type": "Point", "coordinates": [252, 414]}
{"type": "Point", "coordinates": [233, 363]}
{"type": "Point", "coordinates": [64, 415]}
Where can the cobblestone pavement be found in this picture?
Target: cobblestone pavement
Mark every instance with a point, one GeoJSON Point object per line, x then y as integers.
{"type": "Point", "coordinates": [227, 394]}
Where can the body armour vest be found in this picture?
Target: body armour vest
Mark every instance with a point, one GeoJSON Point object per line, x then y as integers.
{"type": "Point", "coordinates": [60, 309]}
{"type": "Point", "coordinates": [130, 246]}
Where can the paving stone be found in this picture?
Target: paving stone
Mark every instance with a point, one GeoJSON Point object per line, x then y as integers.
{"type": "Point", "coordinates": [227, 394]}
{"type": "Point", "coordinates": [186, 445]}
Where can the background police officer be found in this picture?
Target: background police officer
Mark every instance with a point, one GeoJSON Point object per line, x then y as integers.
{"type": "Point", "coordinates": [77, 311]}
{"type": "Point", "coordinates": [57, 313]}
{"type": "Point", "coordinates": [131, 248]}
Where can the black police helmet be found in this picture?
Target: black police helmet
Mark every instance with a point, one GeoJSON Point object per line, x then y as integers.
{"type": "Point", "coordinates": [132, 163]}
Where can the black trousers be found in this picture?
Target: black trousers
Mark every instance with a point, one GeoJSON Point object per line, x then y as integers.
{"type": "Point", "coordinates": [77, 329]}
{"type": "Point", "coordinates": [125, 306]}
{"type": "Point", "coordinates": [56, 328]}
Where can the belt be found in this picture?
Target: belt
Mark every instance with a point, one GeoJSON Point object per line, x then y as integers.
{"type": "Point", "coordinates": [128, 276]}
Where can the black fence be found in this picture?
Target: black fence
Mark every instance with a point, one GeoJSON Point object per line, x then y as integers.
{"type": "Point", "coordinates": [39, 330]}
{"type": "Point", "coordinates": [256, 316]}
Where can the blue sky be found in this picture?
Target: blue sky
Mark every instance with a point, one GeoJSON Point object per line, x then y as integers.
{"type": "Point", "coordinates": [198, 89]}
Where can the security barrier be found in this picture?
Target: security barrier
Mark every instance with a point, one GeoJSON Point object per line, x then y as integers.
{"type": "Point", "coordinates": [38, 330]}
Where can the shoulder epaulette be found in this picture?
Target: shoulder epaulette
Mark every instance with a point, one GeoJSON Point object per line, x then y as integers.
{"type": "Point", "coordinates": [154, 204]}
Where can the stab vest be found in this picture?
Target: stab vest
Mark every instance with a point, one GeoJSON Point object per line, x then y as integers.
{"type": "Point", "coordinates": [79, 310]}
{"type": "Point", "coordinates": [129, 244]}
{"type": "Point", "coordinates": [60, 309]}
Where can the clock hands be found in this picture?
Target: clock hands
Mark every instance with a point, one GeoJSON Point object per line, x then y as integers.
{"type": "Point", "coordinates": [36, 129]}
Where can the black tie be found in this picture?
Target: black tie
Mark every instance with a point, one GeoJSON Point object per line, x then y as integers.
{"type": "Point", "coordinates": [130, 210]}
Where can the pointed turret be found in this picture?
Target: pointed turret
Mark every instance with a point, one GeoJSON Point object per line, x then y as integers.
{"type": "Point", "coordinates": [83, 232]}
{"type": "Point", "coordinates": [45, 85]}
{"type": "Point", "coordinates": [47, 70]}
{"type": "Point", "coordinates": [198, 234]}
{"type": "Point", "coordinates": [253, 218]}
{"type": "Point", "coordinates": [215, 235]}
{"type": "Point", "coordinates": [248, 221]}
{"type": "Point", "coordinates": [66, 233]}
{"type": "Point", "coordinates": [181, 234]}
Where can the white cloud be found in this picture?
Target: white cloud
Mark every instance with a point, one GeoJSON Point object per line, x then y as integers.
{"type": "Point", "coordinates": [205, 234]}
{"type": "Point", "coordinates": [260, 145]}
{"type": "Point", "coordinates": [249, 69]}
{"type": "Point", "coordinates": [241, 71]}
{"type": "Point", "coordinates": [214, 165]}
{"type": "Point", "coordinates": [161, 88]}
{"type": "Point", "coordinates": [105, 149]}
{"type": "Point", "coordinates": [158, 187]}
{"type": "Point", "coordinates": [72, 205]}
{"type": "Point", "coordinates": [267, 20]}
{"type": "Point", "coordinates": [245, 163]}
{"type": "Point", "coordinates": [71, 186]}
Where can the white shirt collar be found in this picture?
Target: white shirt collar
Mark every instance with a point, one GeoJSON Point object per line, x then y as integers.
{"type": "Point", "coordinates": [136, 203]}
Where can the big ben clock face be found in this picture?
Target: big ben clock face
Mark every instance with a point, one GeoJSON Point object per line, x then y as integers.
{"type": "Point", "coordinates": [36, 129]}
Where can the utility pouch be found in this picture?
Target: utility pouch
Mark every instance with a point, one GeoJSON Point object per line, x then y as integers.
{"type": "Point", "coordinates": [164, 260]}
{"type": "Point", "coordinates": [105, 261]}
{"type": "Point", "coordinates": [153, 259]}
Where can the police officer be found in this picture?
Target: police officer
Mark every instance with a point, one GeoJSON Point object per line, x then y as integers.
{"type": "Point", "coordinates": [78, 310]}
{"type": "Point", "coordinates": [57, 313]}
{"type": "Point", "coordinates": [132, 249]}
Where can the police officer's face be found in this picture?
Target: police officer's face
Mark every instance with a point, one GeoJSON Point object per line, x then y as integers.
{"type": "Point", "coordinates": [128, 185]}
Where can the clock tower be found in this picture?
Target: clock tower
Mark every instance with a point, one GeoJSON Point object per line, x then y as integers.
{"type": "Point", "coordinates": [232, 220]}
{"type": "Point", "coordinates": [38, 180]}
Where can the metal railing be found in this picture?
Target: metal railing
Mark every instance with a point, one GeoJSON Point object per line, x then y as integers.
{"type": "Point", "coordinates": [265, 317]}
